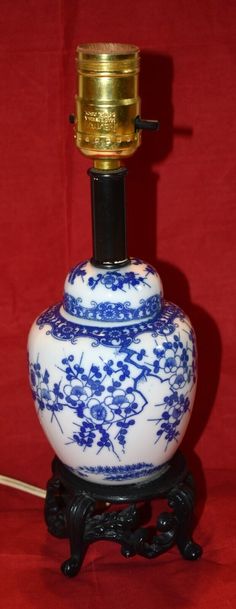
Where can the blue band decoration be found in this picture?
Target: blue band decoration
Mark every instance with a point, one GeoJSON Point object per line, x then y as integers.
{"type": "Point", "coordinates": [112, 312]}
{"type": "Point", "coordinates": [118, 473]}
{"type": "Point", "coordinates": [62, 329]}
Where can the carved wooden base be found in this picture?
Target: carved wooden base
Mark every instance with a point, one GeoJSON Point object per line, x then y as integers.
{"type": "Point", "coordinates": [77, 509]}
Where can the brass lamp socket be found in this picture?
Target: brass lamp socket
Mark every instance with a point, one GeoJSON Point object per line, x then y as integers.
{"type": "Point", "coordinates": [107, 102]}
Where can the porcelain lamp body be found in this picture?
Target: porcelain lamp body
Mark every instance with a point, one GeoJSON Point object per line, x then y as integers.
{"type": "Point", "coordinates": [113, 374]}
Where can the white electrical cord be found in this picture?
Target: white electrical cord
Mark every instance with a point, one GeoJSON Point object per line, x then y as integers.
{"type": "Point", "coordinates": [23, 486]}
{"type": "Point", "coordinates": [27, 488]}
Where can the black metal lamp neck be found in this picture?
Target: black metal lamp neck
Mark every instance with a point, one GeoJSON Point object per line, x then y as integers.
{"type": "Point", "coordinates": [108, 217]}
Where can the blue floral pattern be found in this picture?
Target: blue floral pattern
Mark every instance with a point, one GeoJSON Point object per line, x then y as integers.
{"type": "Point", "coordinates": [113, 280]}
{"type": "Point", "coordinates": [107, 398]}
{"type": "Point", "coordinates": [110, 311]}
{"type": "Point", "coordinates": [47, 397]}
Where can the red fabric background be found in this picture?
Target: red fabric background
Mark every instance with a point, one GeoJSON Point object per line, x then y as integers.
{"type": "Point", "coordinates": [181, 217]}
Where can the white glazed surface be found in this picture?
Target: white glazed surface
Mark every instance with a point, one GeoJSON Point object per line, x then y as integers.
{"type": "Point", "coordinates": [114, 399]}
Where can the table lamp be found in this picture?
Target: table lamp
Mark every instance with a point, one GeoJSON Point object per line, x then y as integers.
{"type": "Point", "coordinates": [113, 366]}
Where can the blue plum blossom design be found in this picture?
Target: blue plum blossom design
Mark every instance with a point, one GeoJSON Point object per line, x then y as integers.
{"type": "Point", "coordinates": [176, 407]}
{"type": "Point", "coordinates": [113, 280]}
{"type": "Point", "coordinates": [101, 404]}
{"type": "Point", "coordinates": [76, 392]}
{"type": "Point", "coordinates": [45, 396]}
{"type": "Point", "coordinates": [107, 397]}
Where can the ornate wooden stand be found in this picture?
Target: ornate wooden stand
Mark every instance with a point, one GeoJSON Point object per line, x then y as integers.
{"type": "Point", "coordinates": [71, 510]}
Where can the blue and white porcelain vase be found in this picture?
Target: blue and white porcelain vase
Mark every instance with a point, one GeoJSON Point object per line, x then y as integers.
{"type": "Point", "coordinates": [113, 366]}
{"type": "Point", "coordinates": [113, 374]}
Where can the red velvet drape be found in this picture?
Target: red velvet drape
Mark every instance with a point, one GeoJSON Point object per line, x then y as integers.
{"type": "Point", "coordinates": [181, 217]}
